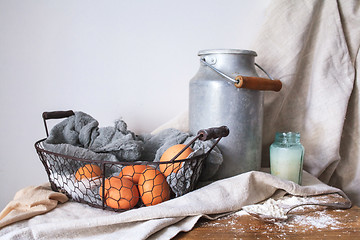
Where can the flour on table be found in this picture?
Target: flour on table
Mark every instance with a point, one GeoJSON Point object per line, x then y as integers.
{"type": "Point", "coordinates": [270, 207]}
{"type": "Point", "coordinates": [302, 220]}
{"type": "Point", "coordinates": [318, 220]}
{"type": "Point", "coordinates": [278, 208]}
{"type": "Point", "coordinates": [240, 213]}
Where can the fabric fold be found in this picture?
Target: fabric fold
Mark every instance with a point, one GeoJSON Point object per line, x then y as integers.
{"type": "Point", "coordinates": [311, 46]}
{"type": "Point", "coordinates": [30, 202]}
{"type": "Point", "coordinates": [81, 133]}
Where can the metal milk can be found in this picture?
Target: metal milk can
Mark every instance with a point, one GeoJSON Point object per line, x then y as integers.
{"type": "Point", "coordinates": [227, 91]}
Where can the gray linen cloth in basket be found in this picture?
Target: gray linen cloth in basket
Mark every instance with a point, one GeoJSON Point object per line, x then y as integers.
{"type": "Point", "coordinates": [82, 130]}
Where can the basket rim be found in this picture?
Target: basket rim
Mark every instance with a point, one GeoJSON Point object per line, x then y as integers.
{"type": "Point", "coordinates": [39, 148]}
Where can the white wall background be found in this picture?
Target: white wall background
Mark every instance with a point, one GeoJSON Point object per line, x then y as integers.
{"type": "Point", "coordinates": [111, 59]}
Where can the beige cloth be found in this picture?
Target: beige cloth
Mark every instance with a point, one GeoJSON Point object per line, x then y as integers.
{"type": "Point", "coordinates": [313, 47]}
{"type": "Point", "coordinates": [163, 221]}
{"type": "Point", "coordinates": [30, 202]}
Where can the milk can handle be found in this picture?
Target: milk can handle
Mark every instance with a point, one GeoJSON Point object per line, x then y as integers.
{"type": "Point", "coordinates": [254, 83]}
{"type": "Point", "coordinates": [258, 83]}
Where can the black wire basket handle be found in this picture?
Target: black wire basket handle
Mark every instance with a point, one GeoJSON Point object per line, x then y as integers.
{"type": "Point", "coordinates": [213, 133]}
{"type": "Point", "coordinates": [207, 134]}
{"type": "Point", "coordinates": [55, 115]}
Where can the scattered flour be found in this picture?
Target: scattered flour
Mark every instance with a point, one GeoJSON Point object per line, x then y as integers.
{"type": "Point", "coordinates": [278, 208]}
{"type": "Point", "coordinates": [270, 208]}
{"type": "Point", "coordinates": [240, 213]}
{"type": "Point", "coordinates": [317, 220]}
{"type": "Point", "coordinates": [302, 220]}
{"type": "Point", "coordinates": [299, 221]}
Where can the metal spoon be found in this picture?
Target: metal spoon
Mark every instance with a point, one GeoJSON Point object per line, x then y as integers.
{"type": "Point", "coordinates": [268, 218]}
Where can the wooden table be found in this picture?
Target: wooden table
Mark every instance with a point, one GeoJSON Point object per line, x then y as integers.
{"type": "Point", "coordinates": [310, 224]}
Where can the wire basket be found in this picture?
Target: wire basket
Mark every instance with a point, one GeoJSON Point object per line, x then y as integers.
{"type": "Point", "coordinates": [134, 184]}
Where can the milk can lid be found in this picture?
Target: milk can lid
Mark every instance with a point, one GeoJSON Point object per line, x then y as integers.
{"type": "Point", "coordinates": [226, 51]}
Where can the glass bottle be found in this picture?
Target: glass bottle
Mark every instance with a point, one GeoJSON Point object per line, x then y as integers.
{"type": "Point", "coordinates": [286, 156]}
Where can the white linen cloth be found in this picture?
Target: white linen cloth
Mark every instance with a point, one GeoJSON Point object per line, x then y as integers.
{"type": "Point", "coordinates": [73, 220]}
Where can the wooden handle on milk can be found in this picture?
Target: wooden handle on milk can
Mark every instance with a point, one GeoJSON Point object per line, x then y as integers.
{"type": "Point", "coordinates": [258, 83]}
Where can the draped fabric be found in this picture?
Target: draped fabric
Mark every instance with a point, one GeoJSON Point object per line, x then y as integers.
{"type": "Point", "coordinates": [313, 48]}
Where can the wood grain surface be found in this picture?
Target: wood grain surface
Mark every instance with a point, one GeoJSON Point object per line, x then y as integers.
{"type": "Point", "coordinates": [312, 223]}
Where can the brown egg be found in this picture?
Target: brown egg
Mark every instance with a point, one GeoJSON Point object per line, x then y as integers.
{"type": "Point", "coordinates": [88, 171]}
{"type": "Point", "coordinates": [120, 193]}
{"type": "Point", "coordinates": [171, 152]}
{"type": "Point", "coordinates": [132, 172]}
{"type": "Point", "coordinates": [153, 187]}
